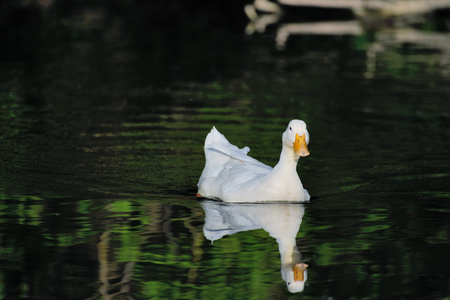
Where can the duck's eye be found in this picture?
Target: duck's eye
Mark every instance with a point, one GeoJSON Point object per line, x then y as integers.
{"type": "Point", "coordinates": [290, 128]}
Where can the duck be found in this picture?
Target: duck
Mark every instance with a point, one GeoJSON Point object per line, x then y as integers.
{"type": "Point", "coordinates": [231, 175]}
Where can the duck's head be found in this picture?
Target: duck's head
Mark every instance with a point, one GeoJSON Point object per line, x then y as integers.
{"type": "Point", "coordinates": [297, 137]}
{"type": "Point", "coordinates": [298, 278]}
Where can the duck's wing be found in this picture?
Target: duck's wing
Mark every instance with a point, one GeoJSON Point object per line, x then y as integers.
{"type": "Point", "coordinates": [223, 220]}
{"type": "Point", "coordinates": [218, 151]}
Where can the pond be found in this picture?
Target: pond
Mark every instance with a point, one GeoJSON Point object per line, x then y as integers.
{"type": "Point", "coordinates": [104, 111]}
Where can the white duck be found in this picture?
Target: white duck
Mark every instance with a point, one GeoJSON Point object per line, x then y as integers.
{"type": "Point", "coordinates": [232, 176]}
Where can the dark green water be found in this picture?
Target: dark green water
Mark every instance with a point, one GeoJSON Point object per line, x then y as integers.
{"type": "Point", "coordinates": [103, 112]}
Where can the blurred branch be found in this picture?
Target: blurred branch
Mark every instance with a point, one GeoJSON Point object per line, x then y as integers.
{"type": "Point", "coordinates": [330, 28]}
{"type": "Point", "coordinates": [398, 7]}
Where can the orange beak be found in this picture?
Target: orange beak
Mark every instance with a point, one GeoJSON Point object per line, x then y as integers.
{"type": "Point", "coordinates": [300, 146]}
{"type": "Point", "coordinates": [298, 271]}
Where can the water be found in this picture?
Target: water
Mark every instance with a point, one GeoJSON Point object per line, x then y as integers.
{"type": "Point", "coordinates": [104, 110]}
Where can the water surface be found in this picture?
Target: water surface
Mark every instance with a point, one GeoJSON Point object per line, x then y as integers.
{"type": "Point", "coordinates": [104, 110]}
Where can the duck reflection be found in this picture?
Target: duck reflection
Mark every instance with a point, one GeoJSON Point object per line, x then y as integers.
{"type": "Point", "coordinates": [282, 222]}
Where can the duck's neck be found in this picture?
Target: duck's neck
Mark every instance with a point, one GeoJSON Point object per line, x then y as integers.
{"type": "Point", "coordinates": [288, 161]}
{"type": "Point", "coordinates": [289, 252]}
